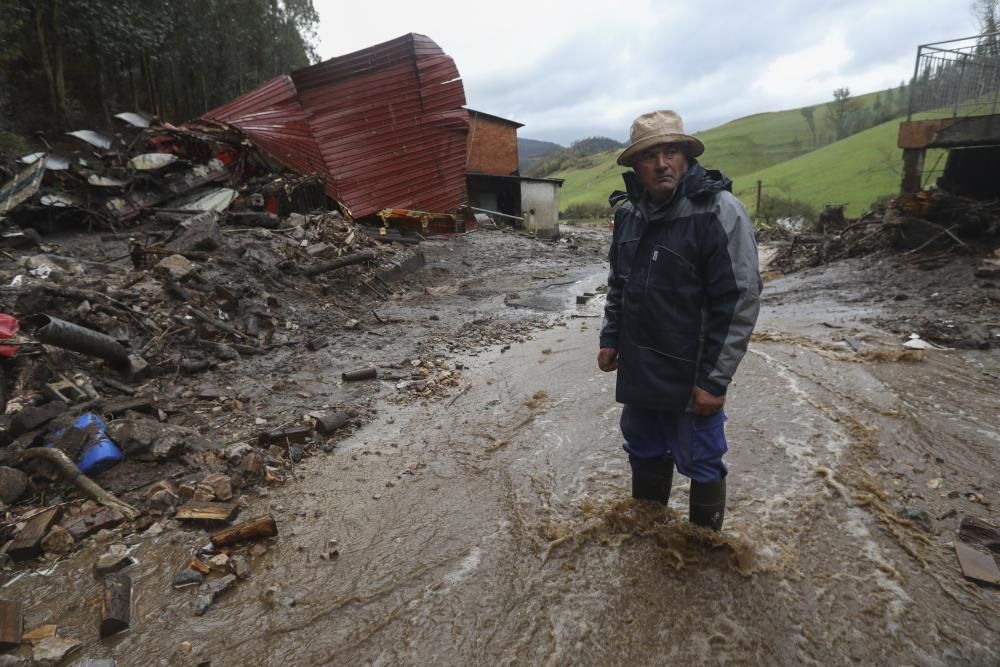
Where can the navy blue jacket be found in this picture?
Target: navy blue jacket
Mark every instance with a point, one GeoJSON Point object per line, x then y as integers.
{"type": "Point", "coordinates": [683, 291]}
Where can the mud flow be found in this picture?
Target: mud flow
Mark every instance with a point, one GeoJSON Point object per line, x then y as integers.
{"type": "Point", "coordinates": [493, 525]}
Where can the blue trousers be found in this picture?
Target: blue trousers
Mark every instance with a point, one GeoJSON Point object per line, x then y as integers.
{"type": "Point", "coordinates": [696, 444]}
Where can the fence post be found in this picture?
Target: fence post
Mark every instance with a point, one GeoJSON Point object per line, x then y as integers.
{"type": "Point", "coordinates": [756, 211]}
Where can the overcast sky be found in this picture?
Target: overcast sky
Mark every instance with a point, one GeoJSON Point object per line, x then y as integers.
{"type": "Point", "coordinates": [573, 69]}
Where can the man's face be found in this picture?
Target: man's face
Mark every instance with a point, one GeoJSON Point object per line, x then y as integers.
{"type": "Point", "coordinates": [659, 169]}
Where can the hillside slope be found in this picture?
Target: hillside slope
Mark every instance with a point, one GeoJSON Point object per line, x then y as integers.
{"type": "Point", "coordinates": [745, 148]}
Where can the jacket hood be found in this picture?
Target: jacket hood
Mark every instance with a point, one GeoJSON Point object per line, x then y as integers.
{"type": "Point", "coordinates": [696, 182]}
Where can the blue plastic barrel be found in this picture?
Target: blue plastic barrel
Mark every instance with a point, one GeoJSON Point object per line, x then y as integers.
{"type": "Point", "coordinates": [99, 452]}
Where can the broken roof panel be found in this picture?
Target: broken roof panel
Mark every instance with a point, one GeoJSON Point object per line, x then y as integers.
{"type": "Point", "coordinates": [385, 125]}
{"type": "Point", "coordinates": [95, 139]}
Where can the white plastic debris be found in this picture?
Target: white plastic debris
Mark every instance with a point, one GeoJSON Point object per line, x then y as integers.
{"type": "Point", "coordinates": [917, 343]}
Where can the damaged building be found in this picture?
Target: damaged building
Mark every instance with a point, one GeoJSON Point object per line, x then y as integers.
{"type": "Point", "coordinates": [495, 185]}
{"type": "Point", "coordinates": [955, 106]}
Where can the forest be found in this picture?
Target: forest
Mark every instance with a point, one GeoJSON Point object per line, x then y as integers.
{"type": "Point", "coordinates": [66, 64]}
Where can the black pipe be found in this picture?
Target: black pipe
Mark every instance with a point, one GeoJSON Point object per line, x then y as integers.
{"type": "Point", "coordinates": [53, 331]}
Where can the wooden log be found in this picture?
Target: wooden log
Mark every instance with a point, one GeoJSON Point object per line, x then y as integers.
{"type": "Point", "coordinates": [197, 510]}
{"type": "Point", "coordinates": [27, 544]}
{"type": "Point", "coordinates": [346, 260]}
{"type": "Point", "coordinates": [116, 605]}
{"type": "Point", "coordinates": [360, 374]}
{"type": "Point", "coordinates": [328, 424]}
{"type": "Point", "coordinates": [262, 526]}
{"type": "Point", "coordinates": [72, 474]}
{"type": "Point", "coordinates": [11, 624]}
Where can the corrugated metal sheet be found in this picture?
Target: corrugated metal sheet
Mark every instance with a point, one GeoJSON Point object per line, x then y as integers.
{"type": "Point", "coordinates": [385, 125]}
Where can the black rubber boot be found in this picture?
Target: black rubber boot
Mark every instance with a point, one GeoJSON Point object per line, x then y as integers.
{"type": "Point", "coordinates": [708, 504]}
{"type": "Point", "coordinates": [651, 478]}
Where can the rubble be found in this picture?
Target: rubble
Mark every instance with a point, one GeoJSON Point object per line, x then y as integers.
{"type": "Point", "coordinates": [53, 650]}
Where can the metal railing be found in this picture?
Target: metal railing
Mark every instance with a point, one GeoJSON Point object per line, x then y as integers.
{"type": "Point", "coordinates": [958, 77]}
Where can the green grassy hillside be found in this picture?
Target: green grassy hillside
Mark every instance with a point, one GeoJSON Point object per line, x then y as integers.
{"type": "Point", "coordinates": [746, 149]}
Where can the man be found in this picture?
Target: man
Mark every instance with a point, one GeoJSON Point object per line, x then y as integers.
{"type": "Point", "coordinates": [683, 298]}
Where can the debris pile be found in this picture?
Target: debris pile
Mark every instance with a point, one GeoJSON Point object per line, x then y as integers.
{"type": "Point", "coordinates": [927, 227]}
{"type": "Point", "coordinates": [96, 179]}
{"type": "Point", "coordinates": [107, 353]}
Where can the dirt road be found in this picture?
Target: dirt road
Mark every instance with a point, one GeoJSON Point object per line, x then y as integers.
{"type": "Point", "coordinates": [494, 526]}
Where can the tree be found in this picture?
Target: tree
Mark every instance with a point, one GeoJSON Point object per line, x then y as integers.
{"type": "Point", "coordinates": [840, 114]}
{"type": "Point", "coordinates": [807, 113]}
{"type": "Point", "coordinates": [988, 13]}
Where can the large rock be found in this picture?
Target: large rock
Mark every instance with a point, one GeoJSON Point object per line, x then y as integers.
{"type": "Point", "coordinates": [58, 541]}
{"type": "Point", "coordinates": [149, 440]}
{"type": "Point", "coordinates": [13, 482]}
{"type": "Point", "coordinates": [177, 267]}
{"type": "Point", "coordinates": [202, 233]}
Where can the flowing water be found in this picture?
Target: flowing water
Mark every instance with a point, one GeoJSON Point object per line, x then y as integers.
{"type": "Point", "coordinates": [495, 527]}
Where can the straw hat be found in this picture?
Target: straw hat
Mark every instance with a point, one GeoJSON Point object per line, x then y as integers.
{"type": "Point", "coordinates": [658, 127]}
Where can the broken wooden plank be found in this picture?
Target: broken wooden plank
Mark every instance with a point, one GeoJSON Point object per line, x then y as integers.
{"type": "Point", "coordinates": [87, 523]}
{"type": "Point", "coordinates": [262, 526]}
{"type": "Point", "coordinates": [977, 565]}
{"type": "Point", "coordinates": [27, 543]}
{"type": "Point", "coordinates": [116, 605]}
{"type": "Point", "coordinates": [197, 510]}
{"type": "Point", "coordinates": [11, 624]}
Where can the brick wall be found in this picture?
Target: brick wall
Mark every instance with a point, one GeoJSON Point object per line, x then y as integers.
{"type": "Point", "coordinates": [492, 146]}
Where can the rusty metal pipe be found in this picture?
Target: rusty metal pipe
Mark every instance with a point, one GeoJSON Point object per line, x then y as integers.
{"type": "Point", "coordinates": [59, 333]}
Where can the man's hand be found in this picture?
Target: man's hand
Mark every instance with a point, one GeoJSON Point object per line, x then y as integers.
{"type": "Point", "coordinates": [703, 403]}
{"type": "Point", "coordinates": [607, 359]}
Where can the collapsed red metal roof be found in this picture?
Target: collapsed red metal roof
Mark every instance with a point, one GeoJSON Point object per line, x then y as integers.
{"type": "Point", "coordinates": [385, 125]}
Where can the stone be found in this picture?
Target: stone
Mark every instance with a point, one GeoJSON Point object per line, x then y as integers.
{"type": "Point", "coordinates": [39, 633]}
{"type": "Point", "coordinates": [218, 562]}
{"type": "Point", "coordinates": [202, 233]}
{"type": "Point", "coordinates": [138, 368]}
{"type": "Point", "coordinates": [239, 566]}
{"type": "Point", "coordinates": [236, 453]}
{"type": "Point", "coordinates": [252, 465]}
{"type": "Point", "coordinates": [177, 267]}
{"type": "Point", "coordinates": [210, 591]}
{"type": "Point", "coordinates": [187, 577]}
{"type": "Point", "coordinates": [114, 560]}
{"type": "Point", "coordinates": [164, 501]}
{"type": "Point", "coordinates": [54, 649]}
{"type": "Point", "coordinates": [13, 482]}
{"type": "Point", "coordinates": [295, 453]}
{"type": "Point", "coordinates": [220, 485]}
{"type": "Point", "coordinates": [58, 541]}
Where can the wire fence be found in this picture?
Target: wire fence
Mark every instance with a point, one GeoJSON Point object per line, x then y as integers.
{"type": "Point", "coordinates": [959, 77]}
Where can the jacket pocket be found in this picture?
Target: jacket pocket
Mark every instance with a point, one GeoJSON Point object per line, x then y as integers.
{"type": "Point", "coordinates": [670, 270]}
{"type": "Point", "coordinates": [626, 257]}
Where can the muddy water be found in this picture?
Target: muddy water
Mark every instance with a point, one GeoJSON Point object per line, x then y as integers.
{"type": "Point", "coordinates": [495, 528]}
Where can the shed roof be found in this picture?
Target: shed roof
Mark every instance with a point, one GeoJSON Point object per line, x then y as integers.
{"type": "Point", "coordinates": [385, 125]}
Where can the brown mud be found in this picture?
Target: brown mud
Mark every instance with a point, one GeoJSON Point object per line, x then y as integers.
{"type": "Point", "coordinates": [489, 522]}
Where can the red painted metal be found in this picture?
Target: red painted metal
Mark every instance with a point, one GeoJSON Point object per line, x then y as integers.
{"type": "Point", "coordinates": [385, 125]}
